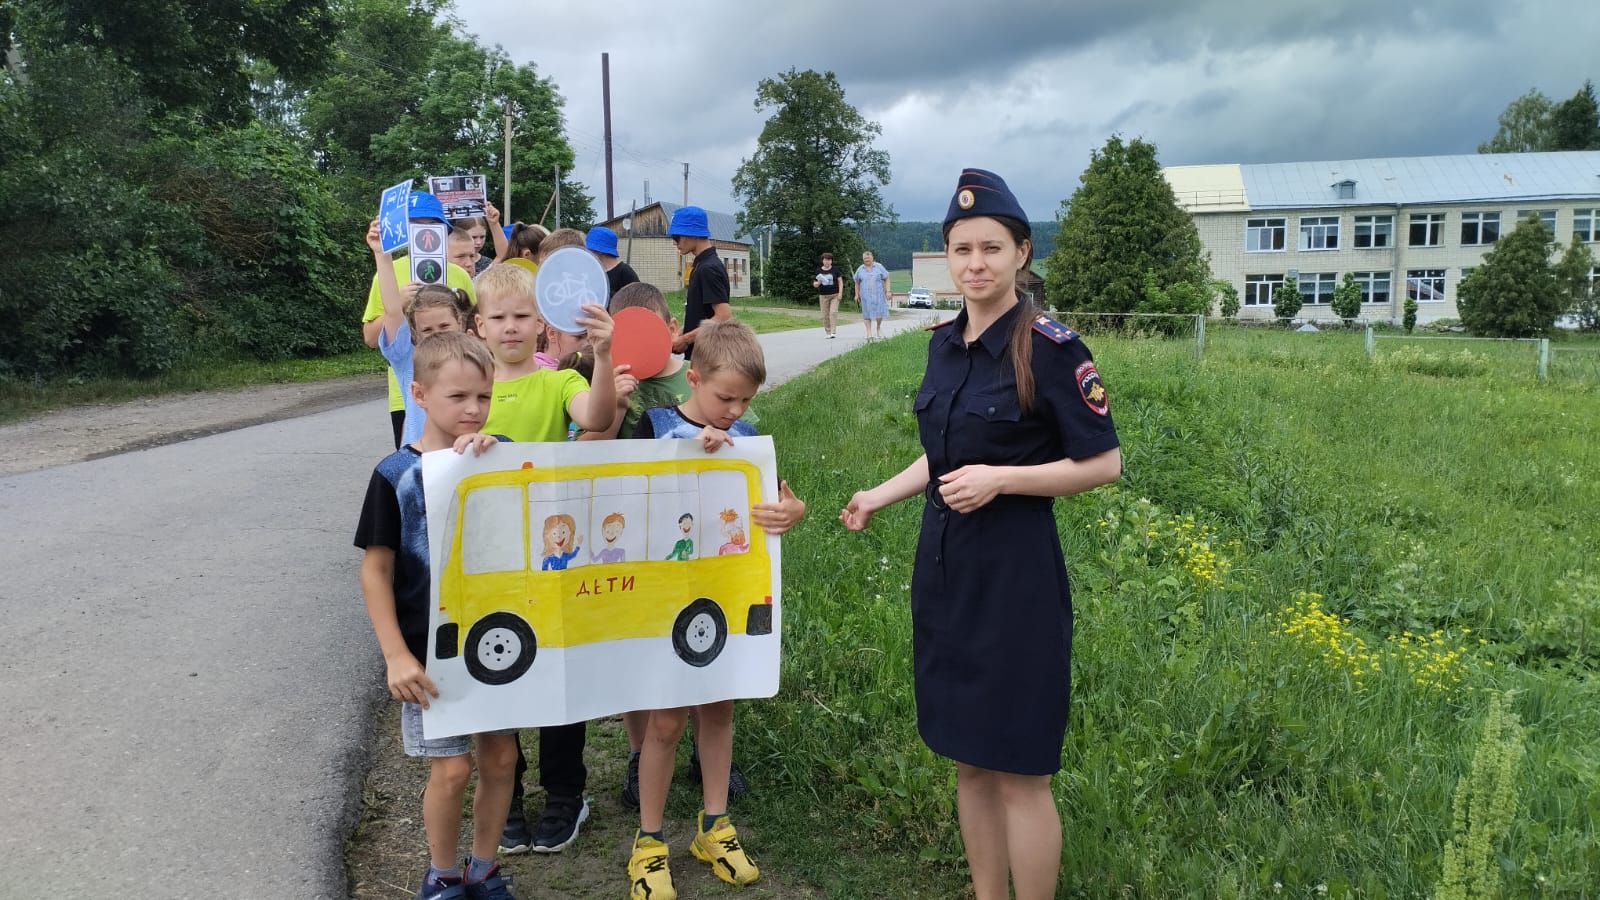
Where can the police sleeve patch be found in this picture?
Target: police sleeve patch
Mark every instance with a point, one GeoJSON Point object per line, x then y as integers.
{"type": "Point", "coordinates": [1052, 329]}
{"type": "Point", "coordinates": [1091, 388]}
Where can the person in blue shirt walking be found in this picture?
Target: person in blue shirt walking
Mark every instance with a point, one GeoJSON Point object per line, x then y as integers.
{"type": "Point", "coordinates": [872, 292]}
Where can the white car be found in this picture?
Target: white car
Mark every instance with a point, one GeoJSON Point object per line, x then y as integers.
{"type": "Point", "coordinates": [919, 298]}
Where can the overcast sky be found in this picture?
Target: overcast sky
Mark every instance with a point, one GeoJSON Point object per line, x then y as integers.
{"type": "Point", "coordinates": [1028, 87]}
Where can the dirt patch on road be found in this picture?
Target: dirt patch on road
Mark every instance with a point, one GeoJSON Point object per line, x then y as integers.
{"type": "Point", "coordinates": [82, 433]}
{"type": "Point", "coordinates": [388, 852]}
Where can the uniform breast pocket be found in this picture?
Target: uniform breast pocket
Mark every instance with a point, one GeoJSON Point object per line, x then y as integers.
{"type": "Point", "coordinates": [926, 427]}
{"type": "Point", "coordinates": [984, 426]}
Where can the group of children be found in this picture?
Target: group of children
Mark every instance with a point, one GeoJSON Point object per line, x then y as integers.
{"type": "Point", "coordinates": [474, 364]}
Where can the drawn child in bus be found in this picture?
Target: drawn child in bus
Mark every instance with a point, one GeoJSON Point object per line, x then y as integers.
{"type": "Point", "coordinates": [561, 540]}
{"type": "Point", "coordinates": [733, 531]}
{"type": "Point", "coordinates": [683, 550]}
{"type": "Point", "coordinates": [611, 529]}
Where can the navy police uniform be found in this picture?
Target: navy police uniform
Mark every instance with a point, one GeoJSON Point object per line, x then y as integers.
{"type": "Point", "coordinates": [990, 604]}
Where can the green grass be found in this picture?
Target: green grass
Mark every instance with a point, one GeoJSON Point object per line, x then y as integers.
{"type": "Point", "coordinates": [900, 280]}
{"type": "Point", "coordinates": [19, 400]}
{"type": "Point", "coordinates": [1211, 754]}
{"type": "Point", "coordinates": [765, 322]}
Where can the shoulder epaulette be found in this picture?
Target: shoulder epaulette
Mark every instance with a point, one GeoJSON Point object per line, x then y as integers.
{"type": "Point", "coordinates": [937, 325]}
{"type": "Point", "coordinates": [1052, 329]}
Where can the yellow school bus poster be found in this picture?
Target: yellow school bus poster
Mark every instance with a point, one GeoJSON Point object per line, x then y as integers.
{"type": "Point", "coordinates": [579, 580]}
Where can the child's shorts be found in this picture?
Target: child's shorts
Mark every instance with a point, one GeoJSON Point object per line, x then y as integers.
{"type": "Point", "coordinates": [438, 748]}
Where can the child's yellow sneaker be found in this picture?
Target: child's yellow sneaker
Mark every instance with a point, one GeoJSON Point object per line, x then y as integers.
{"type": "Point", "coordinates": [720, 847]}
{"type": "Point", "coordinates": [648, 877]}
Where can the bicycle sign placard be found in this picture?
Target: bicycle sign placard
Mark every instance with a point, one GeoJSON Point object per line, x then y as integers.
{"type": "Point", "coordinates": [569, 279]}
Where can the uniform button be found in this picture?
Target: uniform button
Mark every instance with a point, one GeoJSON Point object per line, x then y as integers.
{"type": "Point", "coordinates": [938, 559]}
{"type": "Point", "coordinates": [991, 410]}
{"type": "Point", "coordinates": [941, 432]}
{"type": "Point", "coordinates": [943, 516]}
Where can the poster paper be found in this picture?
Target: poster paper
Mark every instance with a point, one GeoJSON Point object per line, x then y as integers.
{"type": "Point", "coordinates": [462, 195]}
{"type": "Point", "coordinates": [579, 580]}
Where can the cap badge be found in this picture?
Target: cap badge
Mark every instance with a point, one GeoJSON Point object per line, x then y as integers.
{"type": "Point", "coordinates": [964, 199]}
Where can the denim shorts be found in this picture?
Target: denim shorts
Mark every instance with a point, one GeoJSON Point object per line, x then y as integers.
{"type": "Point", "coordinates": [437, 748]}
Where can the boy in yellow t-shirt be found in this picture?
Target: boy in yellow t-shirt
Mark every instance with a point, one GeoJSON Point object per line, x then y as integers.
{"type": "Point", "coordinates": [424, 208]}
{"type": "Point", "coordinates": [532, 403]}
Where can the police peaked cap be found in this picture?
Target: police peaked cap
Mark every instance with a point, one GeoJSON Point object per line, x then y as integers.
{"type": "Point", "coordinates": [983, 193]}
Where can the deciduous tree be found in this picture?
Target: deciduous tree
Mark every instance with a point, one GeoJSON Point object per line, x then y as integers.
{"type": "Point", "coordinates": [814, 173]}
{"type": "Point", "coordinates": [1575, 274]}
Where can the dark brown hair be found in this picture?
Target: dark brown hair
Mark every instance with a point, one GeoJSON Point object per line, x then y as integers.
{"type": "Point", "coordinates": [640, 294]}
{"type": "Point", "coordinates": [525, 238]}
{"type": "Point", "coordinates": [437, 296]}
{"type": "Point", "coordinates": [1020, 341]}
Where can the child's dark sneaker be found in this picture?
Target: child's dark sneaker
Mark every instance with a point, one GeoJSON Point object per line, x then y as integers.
{"type": "Point", "coordinates": [737, 786]}
{"type": "Point", "coordinates": [442, 889]}
{"type": "Point", "coordinates": [494, 886]}
{"type": "Point", "coordinates": [558, 826]}
{"type": "Point", "coordinates": [630, 785]}
{"type": "Point", "coordinates": [516, 838]}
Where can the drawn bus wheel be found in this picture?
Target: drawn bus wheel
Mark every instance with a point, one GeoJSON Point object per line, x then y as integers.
{"type": "Point", "coordinates": [500, 647]}
{"type": "Point", "coordinates": [700, 632]}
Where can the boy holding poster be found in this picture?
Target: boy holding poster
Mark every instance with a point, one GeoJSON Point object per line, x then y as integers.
{"type": "Point", "coordinates": [454, 378]}
{"type": "Point", "coordinates": [727, 370]}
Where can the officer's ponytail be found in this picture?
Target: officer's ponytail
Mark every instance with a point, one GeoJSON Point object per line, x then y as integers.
{"type": "Point", "coordinates": [1020, 342]}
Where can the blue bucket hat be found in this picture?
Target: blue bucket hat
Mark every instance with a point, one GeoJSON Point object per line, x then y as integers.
{"type": "Point", "coordinates": [982, 193]}
{"type": "Point", "coordinates": [427, 206]}
{"type": "Point", "coordinates": [601, 239]}
{"type": "Point", "coordinates": [689, 221]}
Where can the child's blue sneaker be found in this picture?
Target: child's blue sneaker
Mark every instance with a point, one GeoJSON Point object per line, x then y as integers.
{"type": "Point", "coordinates": [494, 886]}
{"type": "Point", "coordinates": [442, 889]}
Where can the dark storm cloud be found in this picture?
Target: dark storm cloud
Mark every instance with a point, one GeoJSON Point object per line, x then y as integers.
{"type": "Point", "coordinates": [1029, 88]}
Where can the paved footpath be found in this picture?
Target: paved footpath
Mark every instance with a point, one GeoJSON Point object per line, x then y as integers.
{"type": "Point", "coordinates": [189, 671]}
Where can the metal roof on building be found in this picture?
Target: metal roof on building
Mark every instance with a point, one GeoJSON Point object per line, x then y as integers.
{"type": "Point", "coordinates": [1478, 177]}
{"type": "Point", "coordinates": [721, 225]}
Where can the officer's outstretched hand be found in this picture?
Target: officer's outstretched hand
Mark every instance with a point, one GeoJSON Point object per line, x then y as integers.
{"type": "Point", "coordinates": [969, 487]}
{"type": "Point", "coordinates": [857, 514]}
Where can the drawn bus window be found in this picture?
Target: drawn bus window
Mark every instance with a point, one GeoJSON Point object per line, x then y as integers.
{"type": "Point", "coordinates": [725, 513]}
{"type": "Point", "coordinates": [619, 519]}
{"type": "Point", "coordinates": [558, 523]}
{"type": "Point", "coordinates": [675, 516]}
{"type": "Point", "coordinates": [491, 531]}
{"type": "Point", "coordinates": [691, 570]}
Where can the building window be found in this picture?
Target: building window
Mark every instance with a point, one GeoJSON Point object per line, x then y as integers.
{"type": "Point", "coordinates": [1258, 289]}
{"type": "Point", "coordinates": [1547, 216]}
{"type": "Point", "coordinates": [1262, 235]}
{"type": "Point", "coordinates": [1586, 224]}
{"type": "Point", "coordinates": [1425, 285]}
{"type": "Point", "coordinates": [1346, 189]}
{"type": "Point", "coordinates": [1375, 286]}
{"type": "Point", "coordinates": [1319, 232]}
{"type": "Point", "coordinates": [1374, 231]}
{"type": "Point", "coordinates": [1427, 229]}
{"type": "Point", "coordinates": [1479, 228]}
{"type": "Point", "coordinates": [1316, 288]}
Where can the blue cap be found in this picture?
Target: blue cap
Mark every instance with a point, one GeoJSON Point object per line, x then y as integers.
{"type": "Point", "coordinates": [427, 206]}
{"type": "Point", "coordinates": [601, 239]}
{"type": "Point", "coordinates": [506, 230]}
{"type": "Point", "coordinates": [981, 193]}
{"type": "Point", "coordinates": [689, 221]}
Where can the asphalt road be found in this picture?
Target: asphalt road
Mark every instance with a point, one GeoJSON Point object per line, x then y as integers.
{"type": "Point", "coordinates": [189, 672]}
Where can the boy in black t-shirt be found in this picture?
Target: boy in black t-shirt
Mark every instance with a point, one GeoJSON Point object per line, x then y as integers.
{"type": "Point", "coordinates": [454, 380]}
{"type": "Point", "coordinates": [830, 287]}
{"type": "Point", "coordinates": [706, 297]}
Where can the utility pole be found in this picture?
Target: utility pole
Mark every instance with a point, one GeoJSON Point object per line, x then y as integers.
{"type": "Point", "coordinates": [685, 184]}
{"type": "Point", "coordinates": [505, 207]}
{"type": "Point", "coordinates": [627, 226]}
{"type": "Point", "coordinates": [558, 197]}
{"type": "Point", "coordinates": [605, 104]}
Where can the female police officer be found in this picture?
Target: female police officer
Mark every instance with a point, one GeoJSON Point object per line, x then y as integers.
{"type": "Point", "coordinates": [1011, 414]}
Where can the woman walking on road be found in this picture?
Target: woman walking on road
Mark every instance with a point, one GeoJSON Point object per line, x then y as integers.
{"type": "Point", "coordinates": [1011, 414]}
{"type": "Point", "coordinates": [872, 292]}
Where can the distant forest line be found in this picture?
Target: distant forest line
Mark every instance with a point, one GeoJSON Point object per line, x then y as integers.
{"type": "Point", "coordinates": [893, 244]}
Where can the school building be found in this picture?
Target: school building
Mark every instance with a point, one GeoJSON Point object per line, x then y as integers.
{"type": "Point", "coordinates": [642, 240]}
{"type": "Point", "coordinates": [1402, 226]}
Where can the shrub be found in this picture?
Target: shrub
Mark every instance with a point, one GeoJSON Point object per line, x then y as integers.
{"type": "Point", "coordinates": [1286, 300]}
